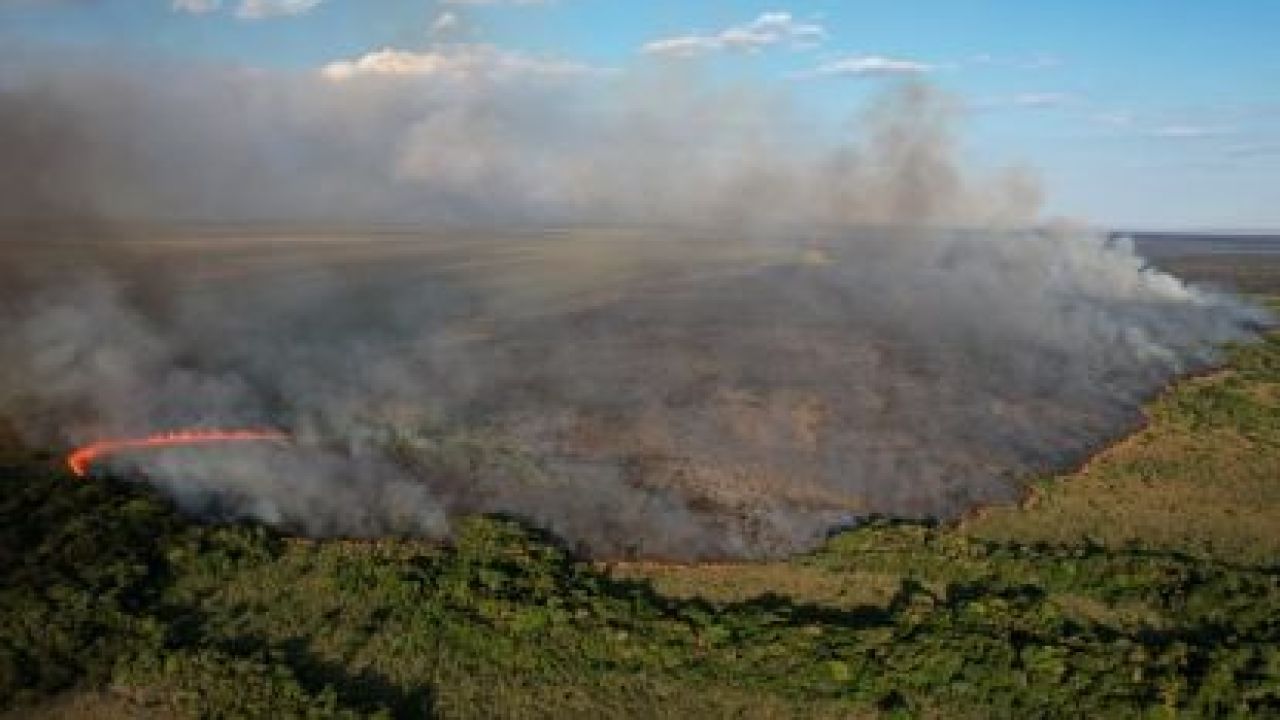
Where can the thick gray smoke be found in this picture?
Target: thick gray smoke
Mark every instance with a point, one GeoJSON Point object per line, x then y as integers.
{"type": "Point", "coordinates": [670, 323]}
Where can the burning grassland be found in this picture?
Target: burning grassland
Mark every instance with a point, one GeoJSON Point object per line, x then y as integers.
{"type": "Point", "coordinates": [723, 409]}
{"type": "Point", "coordinates": [688, 328]}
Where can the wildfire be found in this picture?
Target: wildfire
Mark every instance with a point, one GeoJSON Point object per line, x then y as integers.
{"type": "Point", "coordinates": [83, 457]}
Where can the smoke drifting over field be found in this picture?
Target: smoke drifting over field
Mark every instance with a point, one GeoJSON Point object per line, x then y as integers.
{"type": "Point", "coordinates": [738, 337]}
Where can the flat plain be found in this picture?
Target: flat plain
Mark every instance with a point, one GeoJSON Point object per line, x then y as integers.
{"type": "Point", "coordinates": [1146, 584]}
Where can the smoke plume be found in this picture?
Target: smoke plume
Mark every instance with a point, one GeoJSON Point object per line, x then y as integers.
{"type": "Point", "coordinates": [654, 315]}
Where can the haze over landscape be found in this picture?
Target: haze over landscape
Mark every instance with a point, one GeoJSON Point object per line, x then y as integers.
{"type": "Point", "coordinates": [667, 282]}
{"type": "Point", "coordinates": [751, 333]}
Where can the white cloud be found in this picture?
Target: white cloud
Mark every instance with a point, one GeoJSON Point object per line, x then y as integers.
{"type": "Point", "coordinates": [1137, 126]}
{"type": "Point", "coordinates": [1041, 100]}
{"type": "Point", "coordinates": [770, 28]}
{"type": "Point", "coordinates": [262, 9]}
{"type": "Point", "coordinates": [1189, 132]}
{"type": "Point", "coordinates": [446, 22]}
{"type": "Point", "coordinates": [1028, 101]}
{"type": "Point", "coordinates": [455, 62]}
{"type": "Point", "coordinates": [873, 65]}
{"type": "Point", "coordinates": [1114, 118]}
{"type": "Point", "coordinates": [1039, 61]}
{"type": "Point", "coordinates": [196, 7]}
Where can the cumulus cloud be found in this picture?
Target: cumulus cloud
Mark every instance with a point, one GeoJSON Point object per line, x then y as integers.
{"type": "Point", "coordinates": [456, 62]}
{"type": "Point", "coordinates": [769, 29]}
{"type": "Point", "coordinates": [873, 65]}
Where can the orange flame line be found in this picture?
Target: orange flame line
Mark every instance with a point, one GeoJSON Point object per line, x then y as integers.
{"type": "Point", "coordinates": [81, 458]}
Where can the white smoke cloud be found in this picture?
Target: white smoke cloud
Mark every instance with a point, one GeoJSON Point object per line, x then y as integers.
{"type": "Point", "coordinates": [651, 315]}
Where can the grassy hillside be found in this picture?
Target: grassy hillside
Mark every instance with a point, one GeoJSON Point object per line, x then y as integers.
{"type": "Point", "coordinates": [1148, 585]}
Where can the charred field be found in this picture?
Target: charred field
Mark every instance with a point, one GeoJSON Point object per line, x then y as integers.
{"type": "Point", "coordinates": [1143, 585]}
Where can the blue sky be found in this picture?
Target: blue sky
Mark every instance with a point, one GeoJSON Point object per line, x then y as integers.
{"type": "Point", "coordinates": [1157, 113]}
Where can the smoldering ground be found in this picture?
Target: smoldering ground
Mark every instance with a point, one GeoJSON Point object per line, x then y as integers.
{"type": "Point", "coordinates": [665, 324]}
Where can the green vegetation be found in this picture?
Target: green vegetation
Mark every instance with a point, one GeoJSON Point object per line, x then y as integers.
{"type": "Point", "coordinates": [117, 592]}
{"type": "Point", "coordinates": [1203, 477]}
{"type": "Point", "coordinates": [1145, 586]}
